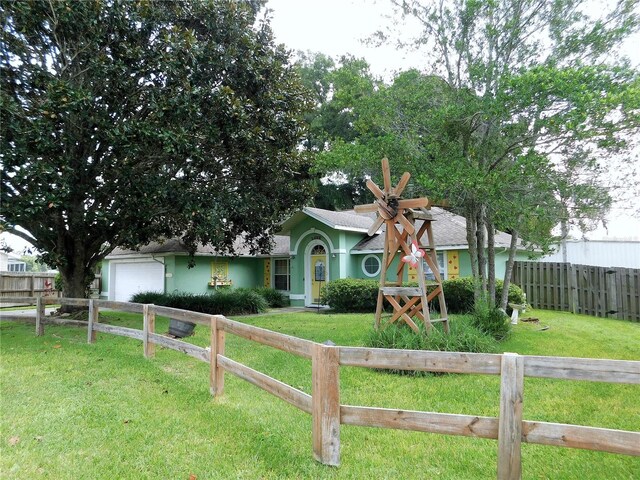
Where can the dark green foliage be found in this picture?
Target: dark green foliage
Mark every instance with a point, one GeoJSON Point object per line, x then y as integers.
{"type": "Point", "coordinates": [123, 122]}
{"type": "Point", "coordinates": [156, 298]}
{"type": "Point", "coordinates": [463, 337]}
{"type": "Point", "coordinates": [458, 292]}
{"type": "Point", "coordinates": [221, 302]}
{"type": "Point", "coordinates": [275, 298]}
{"type": "Point", "coordinates": [358, 295]}
{"type": "Point", "coordinates": [351, 295]}
{"type": "Point", "coordinates": [491, 320]}
{"type": "Point", "coordinates": [58, 282]}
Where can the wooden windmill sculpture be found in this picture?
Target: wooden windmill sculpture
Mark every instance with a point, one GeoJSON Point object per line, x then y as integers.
{"type": "Point", "coordinates": [401, 235]}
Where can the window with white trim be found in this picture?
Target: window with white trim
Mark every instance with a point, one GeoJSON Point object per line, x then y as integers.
{"type": "Point", "coordinates": [17, 267]}
{"type": "Point", "coordinates": [371, 265]}
{"type": "Point", "coordinates": [281, 274]}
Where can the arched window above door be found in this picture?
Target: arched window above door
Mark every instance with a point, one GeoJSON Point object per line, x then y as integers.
{"type": "Point", "coordinates": [318, 250]}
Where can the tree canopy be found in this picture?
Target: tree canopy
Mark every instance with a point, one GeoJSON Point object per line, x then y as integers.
{"type": "Point", "coordinates": [123, 122]}
{"type": "Point", "coordinates": [522, 106]}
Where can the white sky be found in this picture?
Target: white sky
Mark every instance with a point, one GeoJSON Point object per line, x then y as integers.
{"type": "Point", "coordinates": [337, 27]}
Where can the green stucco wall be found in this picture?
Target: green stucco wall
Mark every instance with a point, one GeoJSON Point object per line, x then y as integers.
{"type": "Point", "coordinates": [501, 262]}
{"type": "Point", "coordinates": [243, 272]}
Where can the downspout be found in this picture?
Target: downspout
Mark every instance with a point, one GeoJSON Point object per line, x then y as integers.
{"type": "Point", "coordinates": [164, 272]}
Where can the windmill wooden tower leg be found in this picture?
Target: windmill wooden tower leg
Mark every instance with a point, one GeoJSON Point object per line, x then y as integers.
{"type": "Point", "coordinates": [383, 279]}
{"type": "Point", "coordinates": [432, 261]}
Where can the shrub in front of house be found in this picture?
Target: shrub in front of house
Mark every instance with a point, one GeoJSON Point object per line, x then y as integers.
{"type": "Point", "coordinates": [351, 295]}
{"type": "Point", "coordinates": [458, 293]}
{"type": "Point", "coordinates": [359, 295]}
{"type": "Point", "coordinates": [274, 298]}
{"type": "Point", "coordinates": [221, 302]}
{"type": "Point", "coordinates": [150, 297]}
{"type": "Point", "coordinates": [463, 337]}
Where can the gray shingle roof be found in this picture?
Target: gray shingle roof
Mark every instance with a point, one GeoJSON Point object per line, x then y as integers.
{"type": "Point", "coordinates": [449, 230]}
{"type": "Point", "coordinates": [175, 245]}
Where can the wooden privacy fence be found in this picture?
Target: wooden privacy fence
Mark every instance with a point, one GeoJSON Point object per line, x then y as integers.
{"type": "Point", "coordinates": [599, 291]}
{"type": "Point", "coordinates": [21, 284]}
{"type": "Point", "coordinates": [509, 429]}
{"type": "Point", "coordinates": [34, 284]}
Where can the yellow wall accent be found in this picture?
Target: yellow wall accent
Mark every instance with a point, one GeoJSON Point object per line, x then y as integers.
{"type": "Point", "coordinates": [453, 263]}
{"type": "Point", "coordinates": [220, 269]}
{"type": "Point", "coordinates": [412, 275]}
{"type": "Point", "coordinates": [267, 272]}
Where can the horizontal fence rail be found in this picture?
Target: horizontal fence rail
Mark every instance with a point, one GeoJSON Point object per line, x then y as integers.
{"type": "Point", "coordinates": [509, 428]}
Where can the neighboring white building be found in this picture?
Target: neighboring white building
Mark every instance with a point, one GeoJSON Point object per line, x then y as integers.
{"type": "Point", "coordinates": [10, 262]}
{"type": "Point", "coordinates": [600, 253]}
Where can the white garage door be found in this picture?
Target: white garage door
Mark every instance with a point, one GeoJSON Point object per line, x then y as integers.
{"type": "Point", "coordinates": [131, 278]}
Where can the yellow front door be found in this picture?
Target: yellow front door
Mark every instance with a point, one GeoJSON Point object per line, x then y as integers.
{"type": "Point", "coordinates": [318, 267]}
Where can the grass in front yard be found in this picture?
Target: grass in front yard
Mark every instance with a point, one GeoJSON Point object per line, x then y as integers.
{"type": "Point", "coordinates": [73, 410]}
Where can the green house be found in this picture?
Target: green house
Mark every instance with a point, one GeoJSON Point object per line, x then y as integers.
{"type": "Point", "coordinates": [314, 246]}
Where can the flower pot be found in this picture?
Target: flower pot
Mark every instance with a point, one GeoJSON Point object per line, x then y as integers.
{"type": "Point", "coordinates": [180, 329]}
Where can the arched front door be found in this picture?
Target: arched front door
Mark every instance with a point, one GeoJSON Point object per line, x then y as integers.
{"type": "Point", "coordinates": [316, 271]}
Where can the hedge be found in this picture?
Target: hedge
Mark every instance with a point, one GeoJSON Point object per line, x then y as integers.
{"type": "Point", "coordinates": [358, 295]}
{"type": "Point", "coordinates": [221, 302]}
{"type": "Point", "coordinates": [351, 295]}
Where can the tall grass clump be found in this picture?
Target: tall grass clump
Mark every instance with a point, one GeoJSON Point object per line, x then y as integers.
{"type": "Point", "coordinates": [491, 320]}
{"type": "Point", "coordinates": [462, 337]}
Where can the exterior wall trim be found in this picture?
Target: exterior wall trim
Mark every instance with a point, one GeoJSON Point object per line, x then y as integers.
{"type": "Point", "coordinates": [315, 231]}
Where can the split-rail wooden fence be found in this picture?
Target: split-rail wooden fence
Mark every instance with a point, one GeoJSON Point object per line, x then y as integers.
{"type": "Point", "coordinates": [328, 414]}
{"type": "Point", "coordinates": [599, 291]}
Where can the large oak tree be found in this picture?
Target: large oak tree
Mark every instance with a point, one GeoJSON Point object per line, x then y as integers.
{"type": "Point", "coordinates": [127, 121]}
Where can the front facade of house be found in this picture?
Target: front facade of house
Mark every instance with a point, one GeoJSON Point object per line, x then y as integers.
{"type": "Point", "coordinates": [314, 246]}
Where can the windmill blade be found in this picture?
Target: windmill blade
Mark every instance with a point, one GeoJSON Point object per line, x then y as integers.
{"type": "Point", "coordinates": [375, 189]}
{"type": "Point", "coordinates": [414, 203]}
{"type": "Point", "coordinates": [369, 208]}
{"type": "Point", "coordinates": [406, 224]}
{"type": "Point", "coordinates": [386, 174]}
{"type": "Point", "coordinates": [376, 225]}
{"type": "Point", "coordinates": [402, 183]}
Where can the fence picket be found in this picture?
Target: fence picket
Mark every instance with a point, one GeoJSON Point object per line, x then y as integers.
{"type": "Point", "coordinates": [584, 289]}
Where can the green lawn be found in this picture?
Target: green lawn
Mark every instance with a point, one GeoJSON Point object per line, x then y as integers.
{"type": "Point", "coordinates": [70, 410]}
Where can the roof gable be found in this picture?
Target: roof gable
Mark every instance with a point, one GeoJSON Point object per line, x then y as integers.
{"type": "Point", "coordinates": [347, 220]}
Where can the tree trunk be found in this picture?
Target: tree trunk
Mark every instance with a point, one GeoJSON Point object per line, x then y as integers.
{"type": "Point", "coordinates": [77, 274]}
{"type": "Point", "coordinates": [491, 261]}
{"type": "Point", "coordinates": [473, 251]}
{"type": "Point", "coordinates": [480, 243]}
{"type": "Point", "coordinates": [564, 233]}
{"type": "Point", "coordinates": [509, 269]}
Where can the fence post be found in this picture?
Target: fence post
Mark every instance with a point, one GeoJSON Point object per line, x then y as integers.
{"type": "Point", "coordinates": [573, 288]}
{"type": "Point", "coordinates": [510, 420]}
{"type": "Point", "coordinates": [216, 372]}
{"type": "Point", "coordinates": [32, 289]}
{"type": "Point", "coordinates": [325, 403]}
{"type": "Point", "coordinates": [93, 318]}
{"type": "Point", "coordinates": [148, 327]}
{"type": "Point", "coordinates": [39, 316]}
